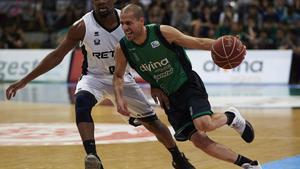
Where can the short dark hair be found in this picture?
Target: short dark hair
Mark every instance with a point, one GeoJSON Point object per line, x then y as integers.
{"type": "Point", "coordinates": [135, 9]}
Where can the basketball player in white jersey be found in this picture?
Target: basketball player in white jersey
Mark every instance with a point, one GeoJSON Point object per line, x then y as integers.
{"type": "Point", "coordinates": [98, 33]}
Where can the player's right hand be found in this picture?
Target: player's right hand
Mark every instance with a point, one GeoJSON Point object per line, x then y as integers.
{"type": "Point", "coordinates": [122, 107]}
{"type": "Point", "coordinates": [13, 88]}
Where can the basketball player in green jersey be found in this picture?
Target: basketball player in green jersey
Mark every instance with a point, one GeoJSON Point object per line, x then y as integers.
{"type": "Point", "coordinates": [157, 54]}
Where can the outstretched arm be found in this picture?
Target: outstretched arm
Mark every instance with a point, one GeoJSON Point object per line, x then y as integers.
{"type": "Point", "coordinates": [172, 35]}
{"type": "Point", "coordinates": [120, 67]}
{"type": "Point", "coordinates": [74, 35]}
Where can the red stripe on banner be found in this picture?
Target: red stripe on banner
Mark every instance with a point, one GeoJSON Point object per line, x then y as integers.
{"type": "Point", "coordinates": [75, 67]}
{"type": "Point", "coordinates": [67, 134]}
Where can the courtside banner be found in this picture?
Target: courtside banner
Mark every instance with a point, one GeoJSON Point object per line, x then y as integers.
{"type": "Point", "coordinates": [14, 64]}
{"type": "Point", "coordinates": [56, 93]}
{"type": "Point", "coordinates": [259, 67]}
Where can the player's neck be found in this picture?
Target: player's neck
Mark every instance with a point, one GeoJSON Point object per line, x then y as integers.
{"type": "Point", "coordinates": [142, 37]}
{"type": "Point", "coordinates": [110, 20]}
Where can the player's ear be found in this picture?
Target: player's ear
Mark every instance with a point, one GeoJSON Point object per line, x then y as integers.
{"type": "Point", "coordinates": [142, 20]}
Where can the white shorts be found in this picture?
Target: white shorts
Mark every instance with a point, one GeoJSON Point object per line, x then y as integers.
{"type": "Point", "coordinates": [137, 102]}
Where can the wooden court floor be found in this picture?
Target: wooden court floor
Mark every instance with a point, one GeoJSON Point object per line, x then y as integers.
{"type": "Point", "coordinates": [277, 137]}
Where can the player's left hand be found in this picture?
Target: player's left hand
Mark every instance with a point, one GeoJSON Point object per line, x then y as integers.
{"type": "Point", "coordinates": [13, 88]}
{"type": "Point", "coordinates": [161, 96]}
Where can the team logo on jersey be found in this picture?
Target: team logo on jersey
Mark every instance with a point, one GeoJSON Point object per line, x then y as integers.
{"type": "Point", "coordinates": [104, 55]}
{"type": "Point", "coordinates": [154, 65]}
{"type": "Point", "coordinates": [96, 33]}
{"type": "Point", "coordinates": [155, 44]}
{"type": "Point", "coordinates": [97, 41]}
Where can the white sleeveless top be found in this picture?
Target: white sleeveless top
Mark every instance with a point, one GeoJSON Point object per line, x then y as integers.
{"type": "Point", "coordinates": [99, 45]}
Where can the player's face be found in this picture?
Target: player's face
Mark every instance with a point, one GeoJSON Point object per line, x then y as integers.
{"type": "Point", "coordinates": [103, 7]}
{"type": "Point", "coordinates": [131, 25]}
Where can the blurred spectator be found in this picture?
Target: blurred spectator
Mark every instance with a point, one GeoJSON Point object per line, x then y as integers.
{"type": "Point", "coordinates": [219, 3]}
{"type": "Point", "coordinates": [294, 13]}
{"type": "Point", "coordinates": [202, 24]}
{"type": "Point", "coordinates": [270, 14]}
{"type": "Point", "coordinates": [253, 14]}
{"type": "Point", "coordinates": [263, 5]}
{"type": "Point", "coordinates": [264, 41]}
{"type": "Point", "coordinates": [49, 11]}
{"type": "Point", "coordinates": [251, 31]}
{"type": "Point", "coordinates": [229, 13]}
{"type": "Point", "coordinates": [32, 17]}
{"type": "Point", "coordinates": [237, 30]}
{"type": "Point", "coordinates": [121, 3]}
{"type": "Point", "coordinates": [66, 16]}
{"type": "Point", "coordinates": [271, 24]}
{"type": "Point", "coordinates": [225, 27]}
{"type": "Point", "coordinates": [181, 18]}
{"type": "Point", "coordinates": [12, 36]}
{"type": "Point", "coordinates": [245, 3]}
{"type": "Point", "coordinates": [281, 10]}
{"type": "Point", "coordinates": [155, 14]}
{"type": "Point", "coordinates": [215, 15]}
{"type": "Point", "coordinates": [283, 40]}
{"type": "Point", "coordinates": [143, 3]}
{"type": "Point", "coordinates": [48, 43]}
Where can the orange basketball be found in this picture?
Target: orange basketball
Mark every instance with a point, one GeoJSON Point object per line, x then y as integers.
{"type": "Point", "coordinates": [228, 52]}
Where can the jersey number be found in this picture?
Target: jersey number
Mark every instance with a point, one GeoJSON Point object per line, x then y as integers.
{"type": "Point", "coordinates": [111, 69]}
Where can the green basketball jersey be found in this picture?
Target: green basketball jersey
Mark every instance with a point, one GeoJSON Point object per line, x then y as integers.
{"type": "Point", "coordinates": [158, 62]}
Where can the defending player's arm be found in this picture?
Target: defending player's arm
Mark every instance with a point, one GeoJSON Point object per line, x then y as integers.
{"type": "Point", "coordinates": [120, 67]}
{"type": "Point", "coordinates": [172, 35]}
{"type": "Point", "coordinates": [74, 35]}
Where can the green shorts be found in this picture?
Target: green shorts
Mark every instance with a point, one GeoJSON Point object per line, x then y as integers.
{"type": "Point", "coordinates": [189, 102]}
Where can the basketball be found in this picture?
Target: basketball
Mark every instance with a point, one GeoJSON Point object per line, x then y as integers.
{"type": "Point", "coordinates": [228, 52]}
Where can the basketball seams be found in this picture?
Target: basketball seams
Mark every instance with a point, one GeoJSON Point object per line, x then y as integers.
{"type": "Point", "coordinates": [216, 52]}
{"type": "Point", "coordinates": [237, 56]}
{"type": "Point", "coordinates": [223, 46]}
{"type": "Point", "coordinates": [222, 39]}
{"type": "Point", "coordinates": [232, 49]}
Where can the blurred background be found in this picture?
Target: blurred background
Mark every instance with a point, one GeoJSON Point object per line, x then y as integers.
{"type": "Point", "coordinates": [261, 24]}
{"type": "Point", "coordinates": [29, 29]}
{"type": "Point", "coordinates": [266, 86]}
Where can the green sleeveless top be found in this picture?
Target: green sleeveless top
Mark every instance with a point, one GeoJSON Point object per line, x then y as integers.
{"type": "Point", "coordinates": [163, 65]}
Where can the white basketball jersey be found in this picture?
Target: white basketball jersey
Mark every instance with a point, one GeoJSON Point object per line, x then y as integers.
{"type": "Point", "coordinates": [98, 49]}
